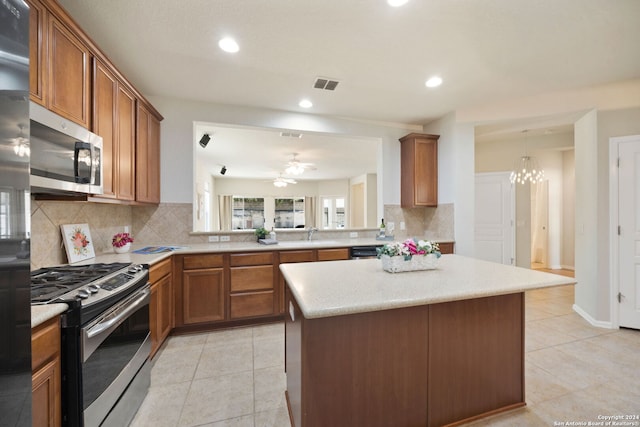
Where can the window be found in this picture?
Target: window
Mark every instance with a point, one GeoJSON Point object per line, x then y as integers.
{"type": "Point", "coordinates": [289, 212]}
{"type": "Point", "coordinates": [5, 214]}
{"type": "Point", "coordinates": [248, 213]}
{"type": "Point", "coordinates": [333, 212]}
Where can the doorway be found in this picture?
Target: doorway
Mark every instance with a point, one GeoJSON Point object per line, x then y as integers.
{"type": "Point", "coordinates": [540, 224]}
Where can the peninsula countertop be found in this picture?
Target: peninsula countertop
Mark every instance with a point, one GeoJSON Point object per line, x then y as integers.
{"type": "Point", "coordinates": [336, 288]}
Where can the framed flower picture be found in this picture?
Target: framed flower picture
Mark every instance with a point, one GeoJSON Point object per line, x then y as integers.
{"type": "Point", "coordinates": [77, 242]}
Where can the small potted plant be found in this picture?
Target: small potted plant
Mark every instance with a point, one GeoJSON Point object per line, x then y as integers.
{"type": "Point", "coordinates": [261, 233]}
{"type": "Point", "coordinates": [122, 242]}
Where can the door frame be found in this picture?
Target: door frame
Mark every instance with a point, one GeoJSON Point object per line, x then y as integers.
{"type": "Point", "coordinates": [614, 255]}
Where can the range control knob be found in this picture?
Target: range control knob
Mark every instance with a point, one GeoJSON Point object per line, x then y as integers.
{"type": "Point", "coordinates": [83, 294]}
{"type": "Point", "coordinates": [134, 268]}
{"type": "Point", "coordinates": [93, 288]}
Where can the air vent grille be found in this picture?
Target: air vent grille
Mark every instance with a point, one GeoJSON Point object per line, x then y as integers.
{"type": "Point", "coordinates": [325, 83]}
{"type": "Point", "coordinates": [291, 134]}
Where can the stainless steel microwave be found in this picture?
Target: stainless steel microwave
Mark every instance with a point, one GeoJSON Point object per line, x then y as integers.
{"type": "Point", "coordinates": [65, 157]}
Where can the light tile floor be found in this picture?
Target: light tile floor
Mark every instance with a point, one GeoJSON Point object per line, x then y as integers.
{"type": "Point", "coordinates": [574, 372]}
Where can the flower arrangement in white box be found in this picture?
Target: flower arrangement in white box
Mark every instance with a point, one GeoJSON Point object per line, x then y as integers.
{"type": "Point", "coordinates": [410, 255]}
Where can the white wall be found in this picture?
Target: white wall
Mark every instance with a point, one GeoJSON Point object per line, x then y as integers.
{"type": "Point", "coordinates": [177, 141]}
{"type": "Point", "coordinates": [456, 176]}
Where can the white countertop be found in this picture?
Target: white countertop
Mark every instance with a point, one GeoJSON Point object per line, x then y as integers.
{"type": "Point", "coordinates": [109, 257]}
{"type": "Point", "coordinates": [337, 288]}
{"type": "Point", "coordinates": [42, 313]}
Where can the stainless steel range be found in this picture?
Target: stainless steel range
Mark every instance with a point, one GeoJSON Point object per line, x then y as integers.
{"type": "Point", "coordinates": [105, 339]}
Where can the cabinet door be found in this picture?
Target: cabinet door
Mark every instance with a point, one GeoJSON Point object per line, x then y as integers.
{"type": "Point", "coordinates": [126, 134]}
{"type": "Point", "coordinates": [203, 295]}
{"type": "Point", "coordinates": [105, 88]}
{"type": "Point", "coordinates": [165, 322]}
{"type": "Point", "coordinates": [147, 157]}
{"type": "Point", "coordinates": [68, 74]}
{"type": "Point", "coordinates": [46, 396]}
{"type": "Point", "coordinates": [37, 51]}
{"type": "Point", "coordinates": [419, 170]}
{"type": "Point", "coordinates": [252, 304]}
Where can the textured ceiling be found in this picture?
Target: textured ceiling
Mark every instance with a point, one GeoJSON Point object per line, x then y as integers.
{"type": "Point", "coordinates": [485, 50]}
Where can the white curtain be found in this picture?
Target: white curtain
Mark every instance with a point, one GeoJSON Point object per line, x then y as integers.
{"type": "Point", "coordinates": [225, 212]}
{"type": "Point", "coordinates": [310, 211]}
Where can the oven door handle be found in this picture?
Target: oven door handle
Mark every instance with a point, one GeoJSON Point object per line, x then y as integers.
{"type": "Point", "coordinates": [119, 315]}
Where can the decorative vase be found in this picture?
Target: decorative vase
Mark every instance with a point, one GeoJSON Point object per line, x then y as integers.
{"type": "Point", "coordinates": [397, 264]}
{"type": "Point", "coordinates": [122, 249]}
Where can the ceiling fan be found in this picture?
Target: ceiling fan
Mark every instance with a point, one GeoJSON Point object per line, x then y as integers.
{"type": "Point", "coordinates": [280, 181]}
{"type": "Point", "coordinates": [296, 167]}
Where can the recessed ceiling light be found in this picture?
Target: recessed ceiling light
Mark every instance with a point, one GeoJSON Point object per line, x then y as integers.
{"type": "Point", "coordinates": [229, 45]}
{"type": "Point", "coordinates": [434, 81]}
{"type": "Point", "coordinates": [397, 3]}
{"type": "Point", "coordinates": [305, 103]}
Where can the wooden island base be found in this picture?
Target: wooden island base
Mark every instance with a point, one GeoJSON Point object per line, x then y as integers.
{"type": "Point", "coordinates": [430, 365]}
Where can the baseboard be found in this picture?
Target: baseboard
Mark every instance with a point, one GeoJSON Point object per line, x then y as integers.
{"type": "Point", "coordinates": [591, 320]}
{"type": "Point", "coordinates": [568, 267]}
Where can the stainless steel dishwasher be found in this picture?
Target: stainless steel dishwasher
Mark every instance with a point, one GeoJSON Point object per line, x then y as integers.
{"type": "Point", "coordinates": [364, 252]}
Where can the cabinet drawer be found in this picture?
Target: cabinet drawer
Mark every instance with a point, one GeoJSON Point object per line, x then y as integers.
{"type": "Point", "coordinates": [333, 254]}
{"type": "Point", "coordinates": [446, 248]}
{"type": "Point", "coordinates": [159, 270]}
{"type": "Point", "coordinates": [260, 258]}
{"type": "Point", "coordinates": [251, 305]}
{"type": "Point", "coordinates": [45, 342]}
{"type": "Point", "coordinates": [191, 262]}
{"type": "Point", "coordinates": [251, 278]}
{"type": "Point", "coordinates": [296, 256]}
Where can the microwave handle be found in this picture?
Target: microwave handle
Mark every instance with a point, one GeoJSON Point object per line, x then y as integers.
{"type": "Point", "coordinates": [76, 155]}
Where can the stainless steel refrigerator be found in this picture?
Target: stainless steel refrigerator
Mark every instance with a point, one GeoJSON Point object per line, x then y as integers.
{"type": "Point", "coordinates": [15, 309]}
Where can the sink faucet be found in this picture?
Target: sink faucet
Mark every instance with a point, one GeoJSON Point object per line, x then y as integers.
{"type": "Point", "coordinates": [310, 231]}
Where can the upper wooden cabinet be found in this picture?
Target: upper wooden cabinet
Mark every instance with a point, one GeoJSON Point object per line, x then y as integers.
{"type": "Point", "coordinates": [114, 109]}
{"type": "Point", "coordinates": [37, 50]}
{"type": "Point", "coordinates": [71, 76]}
{"type": "Point", "coordinates": [147, 156]}
{"type": "Point", "coordinates": [419, 170]}
{"type": "Point", "coordinates": [59, 66]}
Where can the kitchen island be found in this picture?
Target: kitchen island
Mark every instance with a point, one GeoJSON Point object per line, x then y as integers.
{"type": "Point", "coordinates": [369, 348]}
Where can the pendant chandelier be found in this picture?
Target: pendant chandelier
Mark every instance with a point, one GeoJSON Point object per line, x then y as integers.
{"type": "Point", "coordinates": [526, 168]}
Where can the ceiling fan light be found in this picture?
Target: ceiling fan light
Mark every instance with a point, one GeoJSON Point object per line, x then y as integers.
{"type": "Point", "coordinates": [279, 183]}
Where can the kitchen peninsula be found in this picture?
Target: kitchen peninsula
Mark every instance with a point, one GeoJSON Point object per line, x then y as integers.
{"type": "Point", "coordinates": [369, 348]}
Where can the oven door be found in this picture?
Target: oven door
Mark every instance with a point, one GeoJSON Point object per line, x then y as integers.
{"type": "Point", "coordinates": [114, 347]}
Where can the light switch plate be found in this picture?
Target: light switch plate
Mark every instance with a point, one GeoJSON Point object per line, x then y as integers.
{"type": "Point", "coordinates": [353, 234]}
{"type": "Point", "coordinates": [225, 238]}
{"type": "Point", "coordinates": [213, 239]}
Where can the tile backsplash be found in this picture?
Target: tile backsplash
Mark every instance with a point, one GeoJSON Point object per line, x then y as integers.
{"type": "Point", "coordinates": [171, 223]}
{"type": "Point", "coordinates": [163, 224]}
{"type": "Point", "coordinates": [428, 223]}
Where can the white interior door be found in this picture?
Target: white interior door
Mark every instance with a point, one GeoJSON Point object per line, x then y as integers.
{"type": "Point", "coordinates": [494, 218]}
{"type": "Point", "coordinates": [629, 239]}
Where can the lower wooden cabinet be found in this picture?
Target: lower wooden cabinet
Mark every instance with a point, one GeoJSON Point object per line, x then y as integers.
{"type": "Point", "coordinates": [446, 247]}
{"type": "Point", "coordinates": [252, 292]}
{"type": "Point", "coordinates": [203, 296]}
{"type": "Point", "coordinates": [161, 306]}
{"type": "Point", "coordinates": [46, 374]}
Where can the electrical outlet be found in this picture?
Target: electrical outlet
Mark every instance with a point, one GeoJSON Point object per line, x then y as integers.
{"type": "Point", "coordinates": [353, 234]}
{"type": "Point", "coordinates": [225, 238]}
{"type": "Point", "coordinates": [126, 228]}
{"type": "Point", "coordinates": [213, 239]}
{"type": "Point", "coordinates": [402, 225]}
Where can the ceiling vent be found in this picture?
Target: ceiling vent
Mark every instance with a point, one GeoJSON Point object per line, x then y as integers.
{"type": "Point", "coordinates": [291, 134]}
{"type": "Point", "coordinates": [325, 83]}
